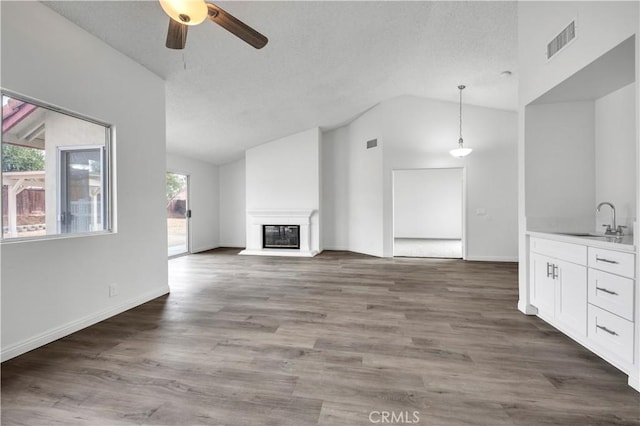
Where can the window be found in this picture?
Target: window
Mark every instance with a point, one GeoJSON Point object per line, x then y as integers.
{"type": "Point", "coordinates": [81, 183]}
{"type": "Point", "coordinates": [55, 171]}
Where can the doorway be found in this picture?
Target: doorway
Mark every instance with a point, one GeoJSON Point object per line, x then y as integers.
{"type": "Point", "coordinates": [178, 214]}
{"type": "Point", "coordinates": [428, 213]}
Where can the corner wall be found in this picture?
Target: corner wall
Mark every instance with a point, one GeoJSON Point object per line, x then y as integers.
{"type": "Point", "coordinates": [233, 204]}
{"type": "Point", "coordinates": [615, 152]}
{"type": "Point", "coordinates": [203, 201]}
{"type": "Point", "coordinates": [51, 288]}
{"type": "Point", "coordinates": [560, 166]}
{"type": "Point", "coordinates": [335, 189]}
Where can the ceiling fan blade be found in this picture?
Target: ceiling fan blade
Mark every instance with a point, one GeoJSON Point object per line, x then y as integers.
{"type": "Point", "coordinates": [177, 35]}
{"type": "Point", "coordinates": [236, 27]}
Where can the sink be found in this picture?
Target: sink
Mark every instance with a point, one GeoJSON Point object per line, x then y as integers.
{"type": "Point", "coordinates": [624, 239]}
{"type": "Point", "coordinates": [593, 235]}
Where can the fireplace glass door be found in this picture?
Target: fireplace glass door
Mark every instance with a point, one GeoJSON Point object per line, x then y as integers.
{"type": "Point", "coordinates": [281, 236]}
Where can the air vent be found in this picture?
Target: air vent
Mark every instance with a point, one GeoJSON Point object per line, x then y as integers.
{"type": "Point", "coordinates": [372, 143]}
{"type": "Point", "coordinates": [561, 40]}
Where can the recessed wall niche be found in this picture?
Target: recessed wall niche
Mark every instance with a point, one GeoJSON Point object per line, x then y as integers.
{"type": "Point", "coordinates": [580, 147]}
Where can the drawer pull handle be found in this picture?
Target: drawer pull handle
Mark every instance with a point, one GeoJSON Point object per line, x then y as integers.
{"type": "Point", "coordinates": [607, 291]}
{"type": "Point", "coordinates": [600, 259]}
{"type": "Point", "coordinates": [603, 328]}
{"type": "Point", "coordinates": [549, 265]}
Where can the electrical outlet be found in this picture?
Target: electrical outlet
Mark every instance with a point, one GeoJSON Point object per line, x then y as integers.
{"type": "Point", "coordinates": [113, 290]}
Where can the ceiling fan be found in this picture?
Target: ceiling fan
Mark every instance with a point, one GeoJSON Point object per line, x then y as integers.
{"type": "Point", "coordinates": [184, 13]}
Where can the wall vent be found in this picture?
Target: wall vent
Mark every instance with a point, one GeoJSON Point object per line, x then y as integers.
{"type": "Point", "coordinates": [565, 37]}
{"type": "Point", "coordinates": [372, 143]}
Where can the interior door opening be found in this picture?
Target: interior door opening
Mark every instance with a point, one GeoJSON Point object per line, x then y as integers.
{"type": "Point", "coordinates": [428, 213]}
{"type": "Point", "coordinates": [178, 214]}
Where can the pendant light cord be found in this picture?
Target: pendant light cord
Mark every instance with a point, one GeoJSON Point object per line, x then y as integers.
{"type": "Point", "coordinates": [460, 151]}
{"type": "Point", "coordinates": [460, 87]}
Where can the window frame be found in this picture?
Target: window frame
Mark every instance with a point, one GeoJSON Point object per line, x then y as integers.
{"type": "Point", "coordinates": [108, 178]}
{"type": "Point", "coordinates": [62, 196]}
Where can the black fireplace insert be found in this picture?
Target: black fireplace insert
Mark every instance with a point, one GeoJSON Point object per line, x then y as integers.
{"type": "Point", "coordinates": [281, 236]}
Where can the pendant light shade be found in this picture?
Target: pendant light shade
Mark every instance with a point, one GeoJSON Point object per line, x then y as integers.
{"type": "Point", "coordinates": [187, 12]}
{"type": "Point", "coordinates": [460, 151]}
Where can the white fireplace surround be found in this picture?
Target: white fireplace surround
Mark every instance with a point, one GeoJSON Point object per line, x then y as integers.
{"type": "Point", "coordinates": [257, 218]}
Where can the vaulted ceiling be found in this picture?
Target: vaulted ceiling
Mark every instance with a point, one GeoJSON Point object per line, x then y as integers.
{"type": "Point", "coordinates": [326, 62]}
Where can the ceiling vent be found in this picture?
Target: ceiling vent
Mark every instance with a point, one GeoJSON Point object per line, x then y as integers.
{"type": "Point", "coordinates": [372, 143]}
{"type": "Point", "coordinates": [562, 40]}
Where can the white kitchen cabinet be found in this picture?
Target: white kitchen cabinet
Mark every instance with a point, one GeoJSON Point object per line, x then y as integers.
{"type": "Point", "coordinates": [587, 289]}
{"type": "Point", "coordinates": [612, 293]}
{"type": "Point", "coordinates": [543, 295]}
{"type": "Point", "coordinates": [616, 262]}
{"type": "Point", "coordinates": [611, 335]}
{"type": "Point", "coordinates": [571, 296]}
{"type": "Point", "coordinates": [559, 291]}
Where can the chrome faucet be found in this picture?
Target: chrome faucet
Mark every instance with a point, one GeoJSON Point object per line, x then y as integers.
{"type": "Point", "coordinates": [611, 229]}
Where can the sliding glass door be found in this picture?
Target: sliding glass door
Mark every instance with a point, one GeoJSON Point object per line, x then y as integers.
{"type": "Point", "coordinates": [177, 214]}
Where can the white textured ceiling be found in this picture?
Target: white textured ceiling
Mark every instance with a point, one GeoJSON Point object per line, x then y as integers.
{"type": "Point", "coordinates": [326, 62]}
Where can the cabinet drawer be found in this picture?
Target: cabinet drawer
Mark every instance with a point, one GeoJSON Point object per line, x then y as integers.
{"type": "Point", "coordinates": [610, 332]}
{"type": "Point", "coordinates": [613, 261]}
{"type": "Point", "coordinates": [612, 293]}
{"type": "Point", "coordinates": [574, 253]}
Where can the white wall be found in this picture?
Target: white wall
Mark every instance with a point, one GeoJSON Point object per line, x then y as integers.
{"type": "Point", "coordinates": [53, 287]}
{"type": "Point", "coordinates": [352, 186]}
{"type": "Point", "coordinates": [203, 201]}
{"type": "Point", "coordinates": [285, 175]}
{"type": "Point", "coordinates": [232, 204]}
{"type": "Point", "coordinates": [427, 203]}
{"type": "Point", "coordinates": [615, 152]}
{"type": "Point", "coordinates": [416, 133]}
{"type": "Point", "coordinates": [335, 189]}
{"type": "Point", "coordinates": [419, 134]}
{"type": "Point", "coordinates": [601, 26]}
{"type": "Point", "coordinates": [365, 202]}
{"type": "Point", "coordinates": [560, 166]}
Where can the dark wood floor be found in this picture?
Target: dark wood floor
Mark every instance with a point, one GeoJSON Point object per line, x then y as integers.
{"type": "Point", "coordinates": [290, 341]}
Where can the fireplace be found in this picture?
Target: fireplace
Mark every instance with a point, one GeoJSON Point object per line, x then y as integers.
{"type": "Point", "coordinates": [259, 243]}
{"type": "Point", "coordinates": [281, 236]}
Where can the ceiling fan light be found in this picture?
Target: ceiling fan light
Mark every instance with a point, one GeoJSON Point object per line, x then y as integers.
{"type": "Point", "coordinates": [187, 12]}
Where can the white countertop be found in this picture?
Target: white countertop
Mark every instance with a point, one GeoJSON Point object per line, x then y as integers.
{"type": "Point", "coordinates": [622, 244]}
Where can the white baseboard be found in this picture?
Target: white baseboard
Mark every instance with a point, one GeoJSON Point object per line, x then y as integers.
{"type": "Point", "coordinates": [527, 309]}
{"type": "Point", "coordinates": [634, 380]}
{"type": "Point", "coordinates": [201, 249]}
{"type": "Point", "coordinates": [380, 255]}
{"type": "Point", "coordinates": [492, 258]}
{"type": "Point", "coordinates": [281, 252]}
{"type": "Point", "coordinates": [76, 325]}
{"type": "Point", "coordinates": [336, 248]}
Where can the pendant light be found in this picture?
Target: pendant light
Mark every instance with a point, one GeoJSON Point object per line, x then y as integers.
{"type": "Point", "coordinates": [460, 151]}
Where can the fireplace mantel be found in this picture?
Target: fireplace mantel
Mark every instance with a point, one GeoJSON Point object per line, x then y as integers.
{"type": "Point", "coordinates": [257, 218]}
